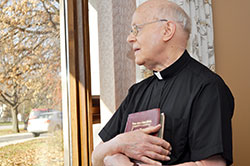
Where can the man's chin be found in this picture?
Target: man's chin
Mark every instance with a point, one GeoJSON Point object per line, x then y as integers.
{"type": "Point", "coordinates": [139, 62]}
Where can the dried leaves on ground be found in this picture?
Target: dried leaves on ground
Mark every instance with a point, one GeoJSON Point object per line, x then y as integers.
{"type": "Point", "coordinates": [39, 152]}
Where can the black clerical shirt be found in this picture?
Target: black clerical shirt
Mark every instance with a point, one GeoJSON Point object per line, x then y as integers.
{"type": "Point", "coordinates": [197, 104]}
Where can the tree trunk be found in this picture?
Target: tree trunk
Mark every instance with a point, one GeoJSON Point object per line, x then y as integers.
{"type": "Point", "coordinates": [14, 120]}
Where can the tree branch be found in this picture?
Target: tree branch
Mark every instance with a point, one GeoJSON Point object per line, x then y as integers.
{"type": "Point", "coordinates": [5, 99]}
{"type": "Point", "coordinates": [50, 17]}
{"type": "Point", "coordinates": [6, 36]}
{"type": "Point", "coordinates": [33, 32]}
{"type": "Point", "coordinates": [27, 31]}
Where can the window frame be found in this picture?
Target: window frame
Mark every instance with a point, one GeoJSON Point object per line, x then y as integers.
{"type": "Point", "coordinates": [78, 132]}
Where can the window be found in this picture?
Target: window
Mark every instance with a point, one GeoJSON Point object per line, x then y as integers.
{"type": "Point", "coordinates": [32, 72]}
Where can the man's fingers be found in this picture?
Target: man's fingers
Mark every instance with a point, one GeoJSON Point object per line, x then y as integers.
{"type": "Point", "coordinates": [147, 160]}
{"type": "Point", "coordinates": [155, 140]}
{"type": "Point", "coordinates": [160, 150]}
{"type": "Point", "coordinates": [155, 152]}
{"type": "Point", "coordinates": [160, 142]}
{"type": "Point", "coordinates": [157, 156]}
{"type": "Point", "coordinates": [143, 144]}
{"type": "Point", "coordinates": [151, 129]}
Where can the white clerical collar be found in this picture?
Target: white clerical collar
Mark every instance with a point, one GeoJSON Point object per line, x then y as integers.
{"type": "Point", "coordinates": [158, 75]}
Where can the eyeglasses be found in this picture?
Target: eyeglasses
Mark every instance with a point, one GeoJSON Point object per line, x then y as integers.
{"type": "Point", "coordinates": [136, 28]}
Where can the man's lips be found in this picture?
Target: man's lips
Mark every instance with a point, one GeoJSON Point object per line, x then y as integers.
{"type": "Point", "coordinates": [136, 49]}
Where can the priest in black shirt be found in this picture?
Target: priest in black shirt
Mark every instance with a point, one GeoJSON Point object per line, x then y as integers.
{"type": "Point", "coordinates": [197, 103]}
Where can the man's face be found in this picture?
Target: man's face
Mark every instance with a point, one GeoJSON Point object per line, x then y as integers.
{"type": "Point", "coordinates": [147, 43]}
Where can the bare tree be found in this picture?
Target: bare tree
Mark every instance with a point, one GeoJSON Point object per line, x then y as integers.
{"type": "Point", "coordinates": [29, 53]}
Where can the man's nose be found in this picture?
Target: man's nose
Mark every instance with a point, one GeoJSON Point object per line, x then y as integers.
{"type": "Point", "coordinates": [131, 38]}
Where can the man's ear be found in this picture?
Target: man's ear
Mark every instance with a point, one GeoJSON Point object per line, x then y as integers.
{"type": "Point", "coordinates": [169, 30]}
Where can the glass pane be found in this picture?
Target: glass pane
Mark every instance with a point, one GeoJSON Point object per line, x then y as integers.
{"type": "Point", "coordinates": [94, 59]}
{"type": "Point", "coordinates": [31, 120]}
{"type": "Point", "coordinates": [94, 50]}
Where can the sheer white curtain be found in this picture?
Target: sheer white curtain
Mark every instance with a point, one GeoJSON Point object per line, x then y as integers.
{"type": "Point", "coordinates": [201, 42]}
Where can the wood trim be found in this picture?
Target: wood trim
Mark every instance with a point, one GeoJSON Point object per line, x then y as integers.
{"type": "Point", "coordinates": [96, 109]}
{"type": "Point", "coordinates": [87, 125]}
{"type": "Point", "coordinates": [81, 106]}
{"type": "Point", "coordinates": [80, 83]}
{"type": "Point", "coordinates": [73, 82]}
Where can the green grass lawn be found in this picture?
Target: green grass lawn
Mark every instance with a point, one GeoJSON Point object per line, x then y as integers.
{"type": "Point", "coordinates": [38, 152]}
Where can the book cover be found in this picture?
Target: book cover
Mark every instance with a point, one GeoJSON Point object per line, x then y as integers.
{"type": "Point", "coordinates": [144, 119]}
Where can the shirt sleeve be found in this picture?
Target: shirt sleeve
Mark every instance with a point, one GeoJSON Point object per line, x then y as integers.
{"type": "Point", "coordinates": [210, 130]}
{"type": "Point", "coordinates": [115, 124]}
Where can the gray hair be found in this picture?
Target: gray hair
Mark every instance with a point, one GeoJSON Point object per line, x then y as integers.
{"type": "Point", "coordinates": [175, 13]}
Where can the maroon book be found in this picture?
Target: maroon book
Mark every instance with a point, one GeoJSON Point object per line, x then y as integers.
{"type": "Point", "coordinates": [144, 119]}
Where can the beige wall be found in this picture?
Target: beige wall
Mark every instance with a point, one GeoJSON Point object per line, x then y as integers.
{"type": "Point", "coordinates": [232, 44]}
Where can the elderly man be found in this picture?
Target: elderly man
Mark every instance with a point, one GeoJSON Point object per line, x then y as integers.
{"type": "Point", "coordinates": [197, 103]}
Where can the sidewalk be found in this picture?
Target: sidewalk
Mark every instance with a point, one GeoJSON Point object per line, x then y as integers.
{"type": "Point", "coordinates": [14, 135]}
{"type": "Point", "coordinates": [17, 138]}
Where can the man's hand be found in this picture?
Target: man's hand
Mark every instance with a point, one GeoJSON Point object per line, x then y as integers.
{"type": "Point", "coordinates": [121, 160]}
{"type": "Point", "coordinates": [138, 145]}
{"type": "Point", "coordinates": [117, 159]}
{"type": "Point", "coordinates": [142, 146]}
